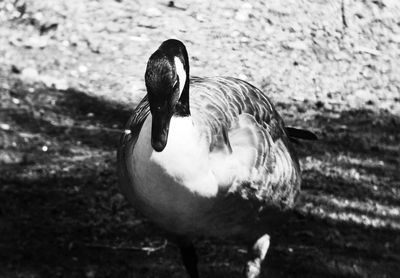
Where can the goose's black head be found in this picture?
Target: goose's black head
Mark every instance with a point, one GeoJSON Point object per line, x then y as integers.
{"type": "Point", "coordinates": [167, 84]}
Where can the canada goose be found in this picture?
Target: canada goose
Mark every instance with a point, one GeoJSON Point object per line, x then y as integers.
{"type": "Point", "coordinates": [218, 163]}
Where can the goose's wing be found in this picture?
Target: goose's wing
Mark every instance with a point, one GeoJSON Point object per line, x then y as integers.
{"type": "Point", "coordinates": [127, 143]}
{"type": "Point", "coordinates": [241, 125]}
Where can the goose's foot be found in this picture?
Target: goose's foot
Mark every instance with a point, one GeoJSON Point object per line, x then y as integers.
{"type": "Point", "coordinates": [256, 256]}
{"type": "Point", "coordinates": [189, 257]}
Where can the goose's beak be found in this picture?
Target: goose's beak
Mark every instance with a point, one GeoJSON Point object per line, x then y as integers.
{"type": "Point", "coordinates": [159, 131]}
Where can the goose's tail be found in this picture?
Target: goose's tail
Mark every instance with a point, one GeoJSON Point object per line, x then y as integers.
{"type": "Point", "coordinates": [294, 134]}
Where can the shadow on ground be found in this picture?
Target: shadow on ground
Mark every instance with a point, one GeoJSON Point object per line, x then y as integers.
{"type": "Point", "coordinates": [61, 213]}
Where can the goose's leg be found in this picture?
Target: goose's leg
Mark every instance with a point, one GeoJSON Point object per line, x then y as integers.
{"type": "Point", "coordinates": [189, 257]}
{"type": "Point", "coordinates": [256, 254]}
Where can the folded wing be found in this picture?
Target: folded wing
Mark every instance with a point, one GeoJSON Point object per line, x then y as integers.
{"type": "Point", "coordinates": [257, 141]}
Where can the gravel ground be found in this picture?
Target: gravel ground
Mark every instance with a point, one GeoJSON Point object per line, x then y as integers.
{"type": "Point", "coordinates": [70, 72]}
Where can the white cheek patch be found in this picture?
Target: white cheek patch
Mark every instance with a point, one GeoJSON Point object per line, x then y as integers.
{"type": "Point", "coordinates": [180, 71]}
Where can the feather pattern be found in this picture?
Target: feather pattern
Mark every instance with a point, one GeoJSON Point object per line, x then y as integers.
{"type": "Point", "coordinates": [239, 123]}
{"type": "Point", "coordinates": [256, 135]}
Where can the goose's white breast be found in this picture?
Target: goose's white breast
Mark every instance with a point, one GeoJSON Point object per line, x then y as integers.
{"type": "Point", "coordinates": [177, 184]}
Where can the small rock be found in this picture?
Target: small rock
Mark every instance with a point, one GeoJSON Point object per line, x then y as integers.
{"type": "Point", "coordinates": [246, 6]}
{"type": "Point", "coordinates": [5, 126]}
{"type": "Point", "coordinates": [365, 95]}
{"type": "Point", "coordinates": [5, 86]}
{"type": "Point", "coordinates": [83, 69]}
{"type": "Point", "coordinates": [74, 40]}
{"type": "Point", "coordinates": [38, 16]}
{"type": "Point", "coordinates": [200, 17]}
{"type": "Point", "coordinates": [395, 38]}
{"type": "Point", "coordinates": [36, 42]}
{"type": "Point", "coordinates": [396, 109]}
{"type": "Point", "coordinates": [298, 45]}
{"type": "Point", "coordinates": [243, 14]}
{"type": "Point", "coordinates": [57, 83]}
{"type": "Point", "coordinates": [152, 12]}
{"type": "Point", "coordinates": [242, 76]}
{"type": "Point", "coordinates": [244, 39]}
{"type": "Point", "coordinates": [361, 97]}
{"type": "Point", "coordinates": [10, 157]}
{"type": "Point", "coordinates": [354, 174]}
{"type": "Point", "coordinates": [61, 84]}
{"type": "Point", "coordinates": [341, 55]}
{"type": "Point", "coordinates": [30, 75]}
{"type": "Point", "coordinates": [235, 33]}
{"type": "Point", "coordinates": [368, 72]}
{"type": "Point", "coordinates": [353, 101]}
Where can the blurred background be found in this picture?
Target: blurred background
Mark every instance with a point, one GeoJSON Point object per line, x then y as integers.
{"type": "Point", "coordinates": [72, 71]}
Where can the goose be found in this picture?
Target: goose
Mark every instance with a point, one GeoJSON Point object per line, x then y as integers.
{"type": "Point", "coordinates": [217, 162]}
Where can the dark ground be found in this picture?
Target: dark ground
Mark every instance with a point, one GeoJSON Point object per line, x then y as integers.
{"type": "Point", "coordinates": [61, 213]}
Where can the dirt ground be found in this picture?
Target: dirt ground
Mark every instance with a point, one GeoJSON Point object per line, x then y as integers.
{"type": "Point", "coordinates": [71, 72]}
